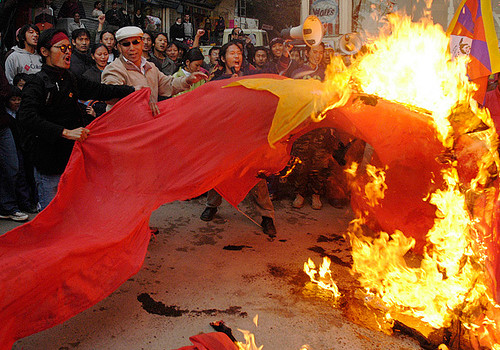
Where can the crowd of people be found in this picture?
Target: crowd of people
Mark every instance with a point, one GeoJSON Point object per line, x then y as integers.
{"type": "Point", "coordinates": [54, 83]}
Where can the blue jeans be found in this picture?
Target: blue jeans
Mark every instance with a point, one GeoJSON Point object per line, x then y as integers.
{"type": "Point", "coordinates": [9, 168]}
{"type": "Point", "coordinates": [47, 187]}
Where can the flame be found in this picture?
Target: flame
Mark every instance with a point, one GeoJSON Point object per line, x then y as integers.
{"type": "Point", "coordinates": [324, 277]}
{"type": "Point", "coordinates": [375, 189]}
{"type": "Point", "coordinates": [249, 338]}
{"type": "Point", "coordinates": [412, 66]}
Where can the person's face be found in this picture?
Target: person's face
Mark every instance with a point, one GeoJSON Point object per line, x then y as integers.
{"type": "Point", "coordinates": [146, 39]}
{"type": "Point", "coordinates": [99, 6]}
{"type": "Point", "coordinates": [193, 66]}
{"type": "Point", "coordinates": [55, 57]}
{"type": "Point", "coordinates": [260, 58]}
{"type": "Point", "coordinates": [214, 56]}
{"type": "Point", "coordinates": [179, 20]}
{"type": "Point", "coordinates": [21, 83]}
{"type": "Point", "coordinates": [295, 55]}
{"type": "Point", "coordinates": [108, 39]}
{"type": "Point", "coordinates": [114, 6]}
{"type": "Point", "coordinates": [277, 49]}
{"type": "Point", "coordinates": [161, 43]}
{"type": "Point", "coordinates": [77, 17]}
{"type": "Point", "coordinates": [233, 58]}
{"type": "Point", "coordinates": [14, 103]}
{"type": "Point", "coordinates": [101, 56]}
{"type": "Point", "coordinates": [186, 18]}
{"type": "Point", "coordinates": [131, 49]}
{"type": "Point", "coordinates": [173, 53]}
{"type": "Point", "coordinates": [82, 43]}
{"type": "Point", "coordinates": [316, 54]}
{"type": "Point", "coordinates": [31, 37]}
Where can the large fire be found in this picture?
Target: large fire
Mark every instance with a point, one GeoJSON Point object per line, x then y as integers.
{"type": "Point", "coordinates": [412, 66]}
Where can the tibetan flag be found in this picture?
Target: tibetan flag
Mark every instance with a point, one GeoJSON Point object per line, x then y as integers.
{"type": "Point", "coordinates": [472, 33]}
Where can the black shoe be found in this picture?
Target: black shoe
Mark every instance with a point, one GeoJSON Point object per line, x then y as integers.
{"type": "Point", "coordinates": [268, 226]}
{"type": "Point", "coordinates": [208, 214]}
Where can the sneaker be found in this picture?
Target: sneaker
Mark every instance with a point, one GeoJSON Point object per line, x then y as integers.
{"type": "Point", "coordinates": [298, 202]}
{"type": "Point", "coordinates": [316, 202]}
{"type": "Point", "coordinates": [268, 226]}
{"type": "Point", "coordinates": [16, 216]}
{"type": "Point", "coordinates": [208, 214]}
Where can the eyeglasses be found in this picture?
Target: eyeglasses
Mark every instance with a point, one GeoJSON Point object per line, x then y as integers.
{"type": "Point", "coordinates": [127, 43]}
{"type": "Point", "coordinates": [64, 48]}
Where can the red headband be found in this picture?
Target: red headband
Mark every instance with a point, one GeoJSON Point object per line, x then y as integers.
{"type": "Point", "coordinates": [58, 37]}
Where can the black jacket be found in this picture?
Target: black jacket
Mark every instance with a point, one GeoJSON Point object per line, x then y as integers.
{"type": "Point", "coordinates": [177, 32]}
{"type": "Point", "coordinates": [80, 62]}
{"type": "Point", "coordinates": [49, 105]}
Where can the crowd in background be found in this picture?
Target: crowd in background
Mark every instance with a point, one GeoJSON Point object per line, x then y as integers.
{"type": "Point", "coordinates": [175, 54]}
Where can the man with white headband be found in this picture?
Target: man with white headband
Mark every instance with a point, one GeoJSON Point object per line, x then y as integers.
{"type": "Point", "coordinates": [131, 68]}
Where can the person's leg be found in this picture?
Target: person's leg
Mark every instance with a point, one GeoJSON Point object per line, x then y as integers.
{"type": "Point", "coordinates": [214, 200]}
{"type": "Point", "coordinates": [260, 196]}
{"type": "Point", "coordinates": [47, 187]}
{"type": "Point", "coordinates": [22, 187]}
{"type": "Point", "coordinates": [9, 168]}
{"type": "Point", "coordinates": [264, 206]}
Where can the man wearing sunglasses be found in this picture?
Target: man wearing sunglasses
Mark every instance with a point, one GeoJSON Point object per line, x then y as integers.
{"type": "Point", "coordinates": [131, 68]}
{"type": "Point", "coordinates": [50, 116]}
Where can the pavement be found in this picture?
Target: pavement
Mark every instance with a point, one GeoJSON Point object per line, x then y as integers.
{"type": "Point", "coordinates": [197, 272]}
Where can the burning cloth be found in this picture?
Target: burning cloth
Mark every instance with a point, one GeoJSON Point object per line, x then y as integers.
{"type": "Point", "coordinates": [94, 235]}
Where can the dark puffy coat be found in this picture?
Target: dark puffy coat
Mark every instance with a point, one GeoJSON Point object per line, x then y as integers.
{"type": "Point", "coordinates": [49, 105]}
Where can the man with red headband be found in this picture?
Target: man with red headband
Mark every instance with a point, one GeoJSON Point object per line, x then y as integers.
{"type": "Point", "coordinates": [50, 115]}
{"type": "Point", "coordinates": [131, 68]}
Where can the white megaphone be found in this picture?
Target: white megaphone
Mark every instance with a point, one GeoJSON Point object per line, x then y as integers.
{"type": "Point", "coordinates": [350, 44]}
{"type": "Point", "coordinates": [311, 31]}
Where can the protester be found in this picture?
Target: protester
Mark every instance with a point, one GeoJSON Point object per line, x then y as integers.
{"type": "Point", "coordinates": [261, 58]}
{"type": "Point", "coordinates": [159, 55]}
{"type": "Point", "coordinates": [97, 11]}
{"type": "Point", "coordinates": [174, 53]}
{"type": "Point", "coordinates": [133, 69]}
{"type": "Point", "coordinates": [20, 80]}
{"type": "Point", "coordinates": [193, 63]}
{"type": "Point", "coordinates": [315, 148]}
{"type": "Point", "coordinates": [139, 19]}
{"type": "Point", "coordinates": [50, 116]}
{"type": "Point", "coordinates": [80, 58]}
{"type": "Point", "coordinates": [236, 33]}
{"type": "Point", "coordinates": [100, 55]}
{"type": "Point", "coordinates": [206, 38]}
{"type": "Point", "coordinates": [220, 26]}
{"type": "Point", "coordinates": [76, 24]}
{"type": "Point", "coordinates": [492, 102]}
{"type": "Point", "coordinates": [231, 58]}
{"type": "Point", "coordinates": [177, 30]}
{"type": "Point", "coordinates": [279, 60]}
{"type": "Point", "coordinates": [295, 55]}
{"type": "Point", "coordinates": [9, 166]}
{"type": "Point", "coordinates": [108, 39]}
{"type": "Point", "coordinates": [24, 58]}
{"type": "Point", "coordinates": [126, 18]}
{"type": "Point", "coordinates": [114, 17]}
{"type": "Point", "coordinates": [26, 195]}
{"type": "Point", "coordinates": [213, 56]}
{"type": "Point", "coordinates": [45, 15]}
{"type": "Point", "coordinates": [188, 29]}
{"type": "Point", "coordinates": [313, 68]}
{"type": "Point", "coordinates": [147, 40]}
{"type": "Point", "coordinates": [70, 7]}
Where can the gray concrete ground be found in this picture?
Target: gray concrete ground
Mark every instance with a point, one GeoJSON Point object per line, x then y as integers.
{"type": "Point", "coordinates": [227, 270]}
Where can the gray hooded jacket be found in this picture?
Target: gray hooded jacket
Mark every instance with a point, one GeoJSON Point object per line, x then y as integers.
{"type": "Point", "coordinates": [22, 61]}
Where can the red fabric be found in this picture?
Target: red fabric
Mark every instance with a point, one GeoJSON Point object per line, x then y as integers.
{"type": "Point", "coordinates": [94, 235]}
{"type": "Point", "coordinates": [210, 341]}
